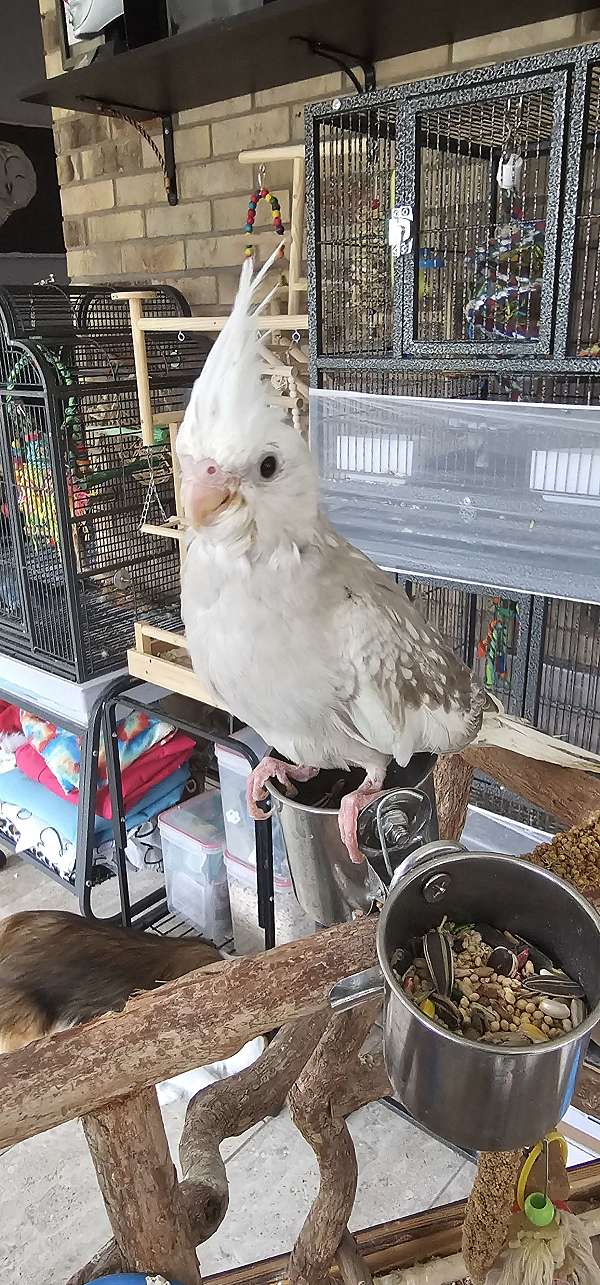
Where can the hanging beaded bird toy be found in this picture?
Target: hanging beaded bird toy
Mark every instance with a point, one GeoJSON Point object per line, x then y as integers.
{"type": "Point", "coordinates": [262, 193]}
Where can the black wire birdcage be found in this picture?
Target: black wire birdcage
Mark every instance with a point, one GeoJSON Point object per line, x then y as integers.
{"type": "Point", "coordinates": [453, 252]}
{"type": "Point", "coordinates": [76, 483]}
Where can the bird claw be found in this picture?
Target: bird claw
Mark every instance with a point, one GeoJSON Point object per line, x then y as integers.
{"type": "Point", "coordinates": [270, 769]}
{"type": "Point", "coordinates": [350, 808]}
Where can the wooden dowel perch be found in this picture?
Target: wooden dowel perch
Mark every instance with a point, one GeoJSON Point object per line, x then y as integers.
{"type": "Point", "coordinates": [315, 1112]}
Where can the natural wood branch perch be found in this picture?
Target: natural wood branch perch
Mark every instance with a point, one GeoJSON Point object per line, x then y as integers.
{"type": "Point", "coordinates": [452, 778]}
{"type": "Point", "coordinates": [313, 1104]}
{"type": "Point", "coordinates": [569, 795]}
{"type": "Point", "coordinates": [205, 1128]}
{"type": "Point", "coordinates": [139, 1186]}
{"type": "Point", "coordinates": [198, 1019]}
{"type": "Point", "coordinates": [366, 1082]}
{"type": "Point", "coordinates": [108, 1260]}
{"type": "Point", "coordinates": [229, 1108]}
{"type": "Point", "coordinates": [352, 1268]}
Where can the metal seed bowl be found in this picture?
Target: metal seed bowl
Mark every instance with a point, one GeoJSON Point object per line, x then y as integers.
{"type": "Point", "coordinates": [483, 1096]}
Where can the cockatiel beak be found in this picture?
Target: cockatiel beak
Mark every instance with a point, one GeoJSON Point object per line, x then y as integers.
{"type": "Point", "coordinates": [205, 489]}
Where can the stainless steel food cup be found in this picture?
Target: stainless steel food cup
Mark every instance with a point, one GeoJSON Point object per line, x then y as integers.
{"type": "Point", "coordinates": [328, 885]}
{"type": "Point", "coordinates": [482, 1096]}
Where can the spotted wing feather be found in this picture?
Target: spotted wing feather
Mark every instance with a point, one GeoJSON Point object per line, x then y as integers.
{"type": "Point", "coordinates": [409, 693]}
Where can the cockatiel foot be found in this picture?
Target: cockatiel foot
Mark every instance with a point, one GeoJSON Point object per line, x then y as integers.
{"type": "Point", "coordinates": [350, 807]}
{"type": "Point", "coordinates": [270, 769]}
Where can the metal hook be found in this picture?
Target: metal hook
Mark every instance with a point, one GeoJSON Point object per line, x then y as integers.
{"type": "Point", "coordinates": [262, 169]}
{"type": "Point", "coordinates": [180, 336]}
{"type": "Point", "coordinates": [296, 336]}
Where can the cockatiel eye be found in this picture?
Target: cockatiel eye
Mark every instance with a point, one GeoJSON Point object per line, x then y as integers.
{"type": "Point", "coordinates": [268, 466]}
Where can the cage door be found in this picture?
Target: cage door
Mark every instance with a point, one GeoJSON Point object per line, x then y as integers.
{"type": "Point", "coordinates": [12, 596]}
{"type": "Point", "coordinates": [351, 162]}
{"type": "Point", "coordinates": [481, 187]}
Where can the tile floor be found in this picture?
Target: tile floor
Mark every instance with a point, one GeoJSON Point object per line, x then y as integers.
{"type": "Point", "coordinates": [53, 1219]}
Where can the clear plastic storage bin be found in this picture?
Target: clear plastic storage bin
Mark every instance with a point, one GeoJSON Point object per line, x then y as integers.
{"type": "Point", "coordinates": [234, 771]}
{"type": "Point", "coordinates": [193, 843]}
{"type": "Point", "coordinates": [290, 919]}
{"type": "Point", "coordinates": [482, 492]}
{"type": "Point", "coordinates": [487, 832]}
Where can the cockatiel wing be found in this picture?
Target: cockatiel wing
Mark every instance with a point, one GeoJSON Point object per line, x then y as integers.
{"type": "Point", "coordinates": [409, 692]}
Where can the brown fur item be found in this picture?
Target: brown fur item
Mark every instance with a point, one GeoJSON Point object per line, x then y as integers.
{"type": "Point", "coordinates": [58, 970]}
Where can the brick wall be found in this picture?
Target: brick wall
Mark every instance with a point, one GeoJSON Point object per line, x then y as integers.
{"type": "Point", "coordinates": [117, 220]}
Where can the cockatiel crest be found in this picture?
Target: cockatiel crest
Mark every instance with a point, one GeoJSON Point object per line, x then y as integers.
{"type": "Point", "coordinates": [291, 628]}
{"type": "Point", "coordinates": [239, 456]}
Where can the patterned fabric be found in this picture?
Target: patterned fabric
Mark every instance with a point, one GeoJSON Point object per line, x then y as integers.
{"type": "Point", "coordinates": [61, 750]}
{"type": "Point", "coordinates": [36, 821]}
{"type": "Point", "coordinates": [136, 780]}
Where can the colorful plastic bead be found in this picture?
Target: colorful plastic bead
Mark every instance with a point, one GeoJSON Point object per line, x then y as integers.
{"type": "Point", "coordinates": [253, 200]}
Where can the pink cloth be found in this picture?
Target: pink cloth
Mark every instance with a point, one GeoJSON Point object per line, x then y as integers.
{"type": "Point", "coordinates": [10, 717]}
{"type": "Point", "coordinates": [137, 779]}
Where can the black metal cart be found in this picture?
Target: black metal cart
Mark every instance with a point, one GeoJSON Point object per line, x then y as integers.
{"type": "Point", "coordinates": [206, 724]}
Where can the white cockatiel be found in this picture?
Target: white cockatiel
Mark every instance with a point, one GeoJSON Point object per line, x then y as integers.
{"type": "Point", "coordinates": [290, 627]}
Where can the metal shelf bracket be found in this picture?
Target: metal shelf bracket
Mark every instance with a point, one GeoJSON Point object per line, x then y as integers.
{"type": "Point", "coordinates": [346, 62]}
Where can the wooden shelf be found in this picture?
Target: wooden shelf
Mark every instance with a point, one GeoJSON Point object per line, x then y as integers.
{"type": "Point", "coordinates": [266, 47]}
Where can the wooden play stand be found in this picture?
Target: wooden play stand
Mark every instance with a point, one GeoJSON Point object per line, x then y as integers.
{"type": "Point", "coordinates": [105, 1073]}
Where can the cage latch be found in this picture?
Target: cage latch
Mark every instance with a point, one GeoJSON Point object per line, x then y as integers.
{"type": "Point", "coordinates": [400, 230]}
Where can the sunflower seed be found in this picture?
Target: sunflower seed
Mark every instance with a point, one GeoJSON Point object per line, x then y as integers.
{"type": "Point", "coordinates": [448, 1011]}
{"type": "Point", "coordinates": [437, 949]}
{"type": "Point", "coordinates": [559, 987]}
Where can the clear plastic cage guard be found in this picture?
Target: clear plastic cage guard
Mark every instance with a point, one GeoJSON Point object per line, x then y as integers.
{"type": "Point", "coordinates": [499, 493]}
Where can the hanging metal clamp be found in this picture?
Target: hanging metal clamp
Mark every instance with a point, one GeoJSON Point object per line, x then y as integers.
{"type": "Point", "coordinates": [400, 230]}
